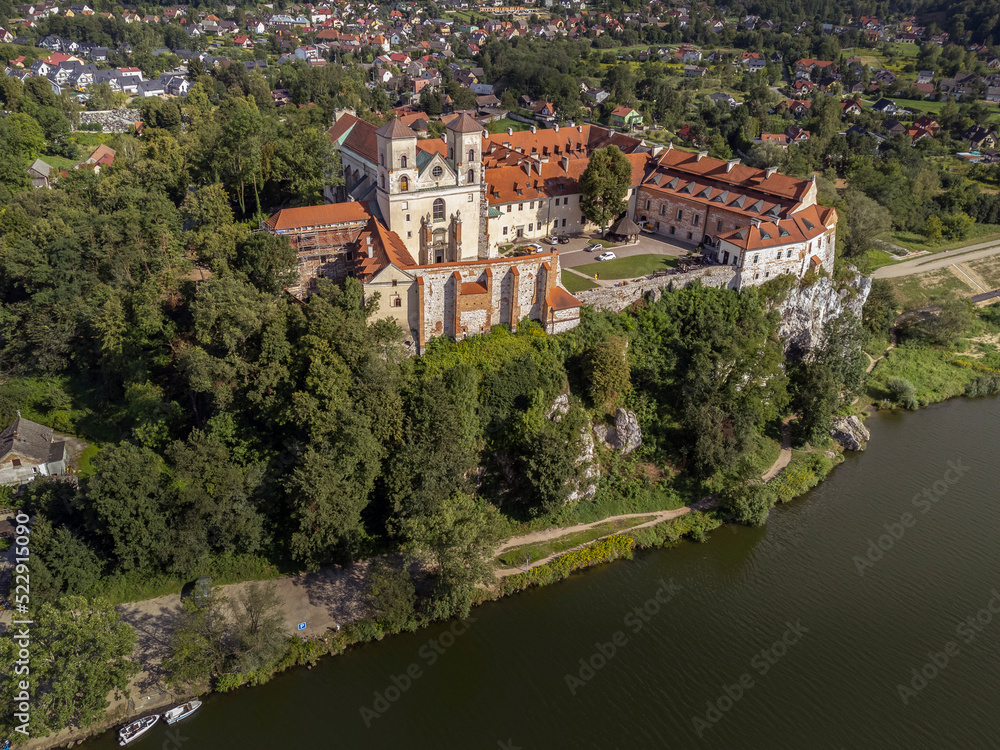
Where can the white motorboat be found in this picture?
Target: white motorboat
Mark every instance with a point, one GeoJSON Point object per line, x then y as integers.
{"type": "Point", "coordinates": [182, 711]}
{"type": "Point", "coordinates": [136, 729]}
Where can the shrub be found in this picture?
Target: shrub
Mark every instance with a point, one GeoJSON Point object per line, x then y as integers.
{"type": "Point", "coordinates": [903, 392]}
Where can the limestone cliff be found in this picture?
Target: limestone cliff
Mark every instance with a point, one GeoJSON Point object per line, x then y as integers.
{"type": "Point", "coordinates": [806, 310]}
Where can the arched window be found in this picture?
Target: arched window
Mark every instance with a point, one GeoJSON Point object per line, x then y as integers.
{"type": "Point", "coordinates": [382, 178]}
{"type": "Point", "coordinates": [437, 172]}
{"type": "Point", "coordinates": [404, 183]}
{"type": "Point", "coordinates": [381, 158]}
{"type": "Point", "coordinates": [471, 177]}
{"type": "Point", "coordinates": [402, 161]}
{"type": "Point", "coordinates": [472, 154]}
{"type": "Point", "coordinates": [439, 209]}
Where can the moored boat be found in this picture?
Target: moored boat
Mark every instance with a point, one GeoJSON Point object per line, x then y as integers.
{"type": "Point", "coordinates": [182, 711]}
{"type": "Point", "coordinates": [136, 729]}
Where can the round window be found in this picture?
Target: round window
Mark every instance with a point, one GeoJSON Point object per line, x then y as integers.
{"type": "Point", "coordinates": [437, 172]}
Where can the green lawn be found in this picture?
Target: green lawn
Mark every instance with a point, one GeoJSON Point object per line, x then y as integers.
{"type": "Point", "coordinates": [630, 267]}
{"type": "Point", "coordinates": [913, 241]}
{"type": "Point", "coordinates": [574, 283]}
{"type": "Point", "coordinates": [500, 126]}
{"type": "Point", "coordinates": [930, 370]}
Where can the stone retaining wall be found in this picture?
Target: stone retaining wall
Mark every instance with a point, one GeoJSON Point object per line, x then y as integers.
{"type": "Point", "coordinates": [618, 298]}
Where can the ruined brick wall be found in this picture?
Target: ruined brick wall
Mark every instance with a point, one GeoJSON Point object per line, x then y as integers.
{"type": "Point", "coordinates": [616, 299]}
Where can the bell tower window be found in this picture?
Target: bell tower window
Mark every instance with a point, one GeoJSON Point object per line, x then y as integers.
{"type": "Point", "coordinates": [402, 161]}
{"type": "Point", "coordinates": [471, 177]}
{"type": "Point", "coordinates": [404, 183]}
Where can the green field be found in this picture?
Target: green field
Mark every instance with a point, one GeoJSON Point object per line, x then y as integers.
{"type": "Point", "coordinates": [500, 126]}
{"type": "Point", "coordinates": [630, 267]}
{"type": "Point", "coordinates": [929, 288]}
{"type": "Point", "coordinates": [574, 283]}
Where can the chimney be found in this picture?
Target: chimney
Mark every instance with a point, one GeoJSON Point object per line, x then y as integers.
{"type": "Point", "coordinates": [579, 128]}
{"type": "Point", "coordinates": [486, 134]}
{"type": "Point", "coordinates": [510, 131]}
{"type": "Point", "coordinates": [701, 155]}
{"type": "Point", "coordinates": [565, 163]}
{"type": "Point", "coordinates": [730, 164]}
{"type": "Point", "coordinates": [527, 166]}
{"type": "Point", "coordinates": [533, 130]}
{"type": "Point", "coordinates": [769, 171]}
{"type": "Point", "coordinates": [813, 178]}
{"type": "Point", "coordinates": [556, 127]}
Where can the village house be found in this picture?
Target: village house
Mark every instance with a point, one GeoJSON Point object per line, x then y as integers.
{"type": "Point", "coordinates": [29, 450]}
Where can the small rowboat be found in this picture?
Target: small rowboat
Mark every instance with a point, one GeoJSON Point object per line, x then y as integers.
{"type": "Point", "coordinates": [181, 712]}
{"type": "Point", "coordinates": [136, 729]}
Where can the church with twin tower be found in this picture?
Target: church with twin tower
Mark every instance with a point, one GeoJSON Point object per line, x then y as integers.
{"type": "Point", "coordinates": [434, 200]}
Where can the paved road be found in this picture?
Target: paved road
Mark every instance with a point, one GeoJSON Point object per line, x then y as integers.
{"type": "Point", "coordinates": [937, 261]}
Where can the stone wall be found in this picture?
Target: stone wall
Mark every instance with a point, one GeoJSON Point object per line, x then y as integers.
{"type": "Point", "coordinates": [616, 299]}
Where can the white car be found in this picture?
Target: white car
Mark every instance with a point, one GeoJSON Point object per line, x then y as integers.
{"type": "Point", "coordinates": [592, 248]}
{"type": "Point", "coordinates": [607, 256]}
{"type": "Point", "coordinates": [532, 247]}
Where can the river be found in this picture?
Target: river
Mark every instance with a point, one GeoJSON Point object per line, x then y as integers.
{"type": "Point", "coordinates": [762, 638]}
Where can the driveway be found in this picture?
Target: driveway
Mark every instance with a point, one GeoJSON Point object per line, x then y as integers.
{"type": "Point", "coordinates": [572, 254]}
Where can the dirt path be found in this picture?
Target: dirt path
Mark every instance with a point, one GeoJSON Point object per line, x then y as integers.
{"type": "Point", "coordinates": [706, 503]}
{"type": "Point", "coordinates": [536, 537]}
{"type": "Point", "coordinates": [786, 452]}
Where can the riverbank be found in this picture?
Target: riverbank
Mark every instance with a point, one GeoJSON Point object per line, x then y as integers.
{"type": "Point", "coordinates": [335, 596]}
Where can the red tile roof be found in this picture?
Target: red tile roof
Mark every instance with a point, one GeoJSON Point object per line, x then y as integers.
{"type": "Point", "coordinates": [473, 287]}
{"type": "Point", "coordinates": [328, 215]}
{"type": "Point", "coordinates": [386, 248]}
{"type": "Point", "coordinates": [800, 227]}
{"type": "Point", "coordinates": [560, 299]}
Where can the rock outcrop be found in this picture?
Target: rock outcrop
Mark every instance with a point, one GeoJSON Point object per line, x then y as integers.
{"type": "Point", "coordinates": [625, 436]}
{"type": "Point", "coordinates": [585, 487]}
{"type": "Point", "coordinates": [850, 433]}
{"type": "Point", "coordinates": [806, 311]}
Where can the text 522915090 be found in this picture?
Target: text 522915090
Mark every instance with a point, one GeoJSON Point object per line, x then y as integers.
{"type": "Point", "coordinates": [22, 637]}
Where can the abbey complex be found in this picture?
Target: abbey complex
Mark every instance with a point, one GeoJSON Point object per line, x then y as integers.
{"type": "Point", "coordinates": [422, 221]}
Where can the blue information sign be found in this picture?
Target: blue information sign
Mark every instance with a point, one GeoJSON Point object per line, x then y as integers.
{"type": "Point", "coordinates": [302, 626]}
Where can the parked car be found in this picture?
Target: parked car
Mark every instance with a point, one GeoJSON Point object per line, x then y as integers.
{"type": "Point", "coordinates": [592, 248]}
{"type": "Point", "coordinates": [607, 256]}
{"type": "Point", "coordinates": [534, 247]}
{"type": "Point", "coordinates": [563, 239]}
{"type": "Point", "coordinates": [553, 240]}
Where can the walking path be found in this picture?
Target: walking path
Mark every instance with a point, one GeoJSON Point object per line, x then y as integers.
{"type": "Point", "coordinates": [936, 261]}
{"type": "Point", "coordinates": [706, 503]}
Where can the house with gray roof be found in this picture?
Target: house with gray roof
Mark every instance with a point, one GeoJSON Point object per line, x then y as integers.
{"type": "Point", "coordinates": [29, 450]}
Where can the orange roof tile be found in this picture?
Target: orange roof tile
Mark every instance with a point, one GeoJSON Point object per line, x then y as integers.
{"type": "Point", "coordinates": [800, 227]}
{"type": "Point", "coordinates": [473, 287]}
{"type": "Point", "coordinates": [330, 214]}
{"type": "Point", "coordinates": [560, 299]}
{"type": "Point", "coordinates": [386, 247]}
